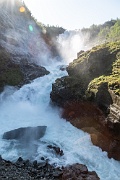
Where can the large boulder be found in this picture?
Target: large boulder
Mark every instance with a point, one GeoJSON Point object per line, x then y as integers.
{"type": "Point", "coordinates": [17, 73]}
{"type": "Point", "coordinates": [78, 171]}
{"type": "Point", "coordinates": [66, 89]}
{"type": "Point", "coordinates": [25, 134]}
{"type": "Point", "coordinates": [31, 71]}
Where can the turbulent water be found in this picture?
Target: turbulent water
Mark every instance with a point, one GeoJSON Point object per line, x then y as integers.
{"type": "Point", "coordinates": [30, 106]}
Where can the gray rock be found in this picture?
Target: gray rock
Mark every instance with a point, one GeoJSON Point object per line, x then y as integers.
{"type": "Point", "coordinates": [25, 134]}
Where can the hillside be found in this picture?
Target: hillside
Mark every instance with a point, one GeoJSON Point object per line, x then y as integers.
{"type": "Point", "coordinates": [99, 34]}
{"type": "Point", "coordinates": [90, 95]}
{"type": "Point", "coordinates": [25, 44]}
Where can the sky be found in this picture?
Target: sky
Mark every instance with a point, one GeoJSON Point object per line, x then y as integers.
{"type": "Point", "coordinates": [74, 14]}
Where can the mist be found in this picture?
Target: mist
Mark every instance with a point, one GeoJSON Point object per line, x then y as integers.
{"type": "Point", "coordinates": [20, 35]}
{"type": "Point", "coordinates": [71, 42]}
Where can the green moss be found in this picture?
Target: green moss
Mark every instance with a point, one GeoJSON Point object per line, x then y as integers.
{"type": "Point", "coordinates": [10, 73]}
{"type": "Point", "coordinates": [113, 80]}
{"type": "Point", "coordinates": [110, 46]}
{"type": "Point", "coordinates": [11, 77]}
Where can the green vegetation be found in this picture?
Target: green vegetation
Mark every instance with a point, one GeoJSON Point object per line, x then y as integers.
{"type": "Point", "coordinates": [113, 80]}
{"type": "Point", "coordinates": [10, 73]}
{"type": "Point", "coordinates": [114, 33]}
{"type": "Point", "coordinates": [96, 66]}
{"type": "Point", "coordinates": [107, 32]}
{"type": "Point", "coordinates": [54, 31]}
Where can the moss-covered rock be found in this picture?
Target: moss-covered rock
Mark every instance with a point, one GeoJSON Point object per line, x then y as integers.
{"type": "Point", "coordinates": [113, 80]}
{"type": "Point", "coordinates": [10, 73]}
{"type": "Point", "coordinates": [17, 74]}
{"type": "Point", "coordinates": [91, 76]}
{"type": "Point", "coordinates": [94, 63]}
{"type": "Point", "coordinates": [67, 88]}
{"type": "Point", "coordinates": [99, 65]}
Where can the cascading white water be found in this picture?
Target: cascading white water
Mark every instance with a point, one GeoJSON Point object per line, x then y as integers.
{"type": "Point", "coordinates": [30, 106]}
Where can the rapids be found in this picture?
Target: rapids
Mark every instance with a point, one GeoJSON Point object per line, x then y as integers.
{"type": "Point", "coordinates": [30, 106]}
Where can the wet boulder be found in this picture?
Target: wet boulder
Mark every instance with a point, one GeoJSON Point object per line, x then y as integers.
{"type": "Point", "coordinates": [78, 171]}
{"type": "Point", "coordinates": [25, 134]}
{"type": "Point", "coordinates": [56, 149]}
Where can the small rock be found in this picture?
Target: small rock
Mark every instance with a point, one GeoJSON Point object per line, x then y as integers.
{"type": "Point", "coordinates": [42, 158]}
{"type": "Point", "coordinates": [35, 164]}
{"type": "Point", "coordinates": [20, 159]}
{"type": "Point", "coordinates": [0, 158]}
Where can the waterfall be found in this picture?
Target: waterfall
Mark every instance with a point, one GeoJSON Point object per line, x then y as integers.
{"type": "Point", "coordinates": [30, 106]}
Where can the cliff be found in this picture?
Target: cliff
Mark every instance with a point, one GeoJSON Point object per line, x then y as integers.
{"type": "Point", "coordinates": [24, 45]}
{"type": "Point", "coordinates": [87, 73]}
{"type": "Point", "coordinates": [90, 94]}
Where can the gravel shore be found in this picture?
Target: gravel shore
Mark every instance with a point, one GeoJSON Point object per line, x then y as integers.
{"type": "Point", "coordinates": [26, 170]}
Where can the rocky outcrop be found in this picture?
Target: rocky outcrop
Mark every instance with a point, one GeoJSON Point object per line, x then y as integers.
{"type": "Point", "coordinates": [56, 149]}
{"type": "Point", "coordinates": [25, 134]}
{"type": "Point", "coordinates": [67, 89]}
{"type": "Point", "coordinates": [89, 118]}
{"type": "Point", "coordinates": [90, 95]}
{"type": "Point", "coordinates": [24, 169]}
{"type": "Point", "coordinates": [31, 71]}
{"type": "Point", "coordinates": [17, 73]}
{"type": "Point", "coordinates": [94, 63]}
{"type": "Point", "coordinates": [23, 43]}
{"type": "Point", "coordinates": [90, 64]}
{"type": "Point", "coordinates": [78, 171]}
{"type": "Point", "coordinates": [113, 119]}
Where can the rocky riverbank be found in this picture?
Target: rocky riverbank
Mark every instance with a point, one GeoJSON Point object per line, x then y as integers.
{"type": "Point", "coordinates": [90, 94]}
{"type": "Point", "coordinates": [24, 169]}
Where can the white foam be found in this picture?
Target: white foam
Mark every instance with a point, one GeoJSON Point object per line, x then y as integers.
{"type": "Point", "coordinates": [30, 106]}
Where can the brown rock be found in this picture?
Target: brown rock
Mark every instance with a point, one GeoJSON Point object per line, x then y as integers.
{"type": "Point", "coordinates": [78, 171]}
{"type": "Point", "coordinates": [88, 117]}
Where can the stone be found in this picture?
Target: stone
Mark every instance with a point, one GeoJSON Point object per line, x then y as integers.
{"type": "Point", "coordinates": [35, 164]}
{"type": "Point", "coordinates": [57, 150]}
{"type": "Point", "coordinates": [0, 158]}
{"type": "Point", "coordinates": [20, 159]}
{"type": "Point", "coordinates": [78, 171]}
{"type": "Point", "coordinates": [42, 158]}
{"type": "Point", "coordinates": [25, 134]}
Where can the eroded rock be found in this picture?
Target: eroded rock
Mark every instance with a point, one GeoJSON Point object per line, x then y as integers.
{"type": "Point", "coordinates": [25, 134]}
{"type": "Point", "coordinates": [78, 171]}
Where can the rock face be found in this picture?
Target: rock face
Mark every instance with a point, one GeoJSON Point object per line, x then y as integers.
{"type": "Point", "coordinates": [78, 171]}
{"type": "Point", "coordinates": [93, 63]}
{"type": "Point", "coordinates": [90, 64]}
{"type": "Point", "coordinates": [67, 89]}
{"type": "Point", "coordinates": [20, 34]}
{"type": "Point", "coordinates": [17, 73]}
{"type": "Point", "coordinates": [31, 71]}
{"type": "Point", "coordinates": [113, 119]}
{"type": "Point", "coordinates": [23, 44]}
{"type": "Point", "coordinates": [90, 95]}
{"type": "Point", "coordinates": [25, 134]}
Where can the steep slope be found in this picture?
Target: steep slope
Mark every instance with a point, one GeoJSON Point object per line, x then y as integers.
{"type": "Point", "coordinates": [89, 65]}
{"type": "Point", "coordinates": [92, 85]}
{"type": "Point", "coordinates": [19, 32]}
{"type": "Point", "coordinates": [22, 45]}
